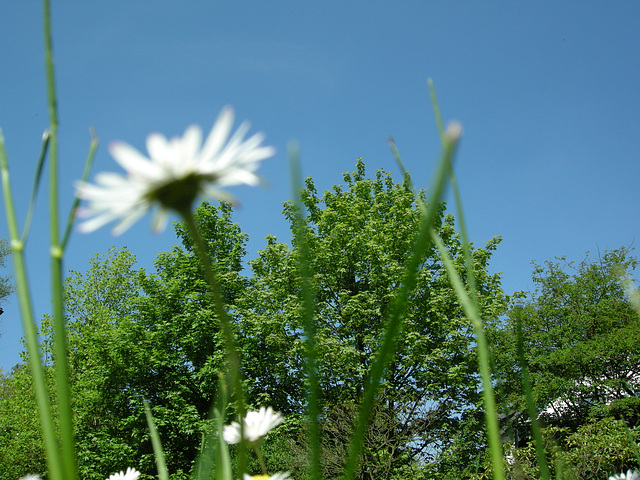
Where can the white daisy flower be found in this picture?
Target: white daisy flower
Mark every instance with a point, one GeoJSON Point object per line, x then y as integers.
{"type": "Point", "coordinates": [176, 172]}
{"type": "Point", "coordinates": [256, 425]}
{"type": "Point", "coordinates": [630, 475]}
{"type": "Point", "coordinates": [275, 476]}
{"type": "Point", "coordinates": [131, 474]}
{"type": "Point", "coordinates": [31, 476]}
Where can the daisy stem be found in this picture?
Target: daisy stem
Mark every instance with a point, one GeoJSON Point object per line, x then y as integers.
{"type": "Point", "coordinates": [221, 313]}
{"type": "Point", "coordinates": [263, 466]}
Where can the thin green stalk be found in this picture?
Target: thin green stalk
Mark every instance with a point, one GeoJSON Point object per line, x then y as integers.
{"type": "Point", "coordinates": [531, 406]}
{"type": "Point", "coordinates": [471, 310]}
{"type": "Point", "coordinates": [483, 349]}
{"type": "Point", "coordinates": [313, 393]}
{"type": "Point", "coordinates": [163, 473]}
{"type": "Point", "coordinates": [54, 463]}
{"type": "Point", "coordinates": [263, 466]}
{"type": "Point", "coordinates": [223, 464]}
{"type": "Point", "coordinates": [471, 278]}
{"type": "Point", "coordinates": [436, 111]}
{"type": "Point", "coordinates": [61, 360]}
{"type": "Point", "coordinates": [221, 313]}
{"type": "Point", "coordinates": [214, 451]}
{"type": "Point", "coordinates": [394, 322]}
{"type": "Point", "coordinates": [93, 146]}
{"type": "Point", "coordinates": [36, 183]}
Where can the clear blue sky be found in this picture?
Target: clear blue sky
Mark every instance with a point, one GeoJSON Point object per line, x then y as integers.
{"type": "Point", "coordinates": [548, 94]}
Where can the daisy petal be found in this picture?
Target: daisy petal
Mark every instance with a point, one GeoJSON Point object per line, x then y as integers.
{"type": "Point", "coordinates": [176, 172]}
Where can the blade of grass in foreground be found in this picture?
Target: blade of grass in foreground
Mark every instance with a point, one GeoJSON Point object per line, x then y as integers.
{"type": "Point", "coordinates": [471, 310]}
{"type": "Point", "coordinates": [61, 362]}
{"type": "Point", "coordinates": [36, 185]}
{"type": "Point", "coordinates": [393, 323]}
{"type": "Point", "coordinates": [163, 474]}
{"type": "Point", "coordinates": [93, 146]}
{"type": "Point", "coordinates": [214, 451]}
{"type": "Point", "coordinates": [313, 410]}
{"type": "Point", "coordinates": [465, 243]}
{"type": "Point", "coordinates": [54, 461]}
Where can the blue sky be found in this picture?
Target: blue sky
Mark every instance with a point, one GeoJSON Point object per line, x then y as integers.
{"type": "Point", "coordinates": [547, 94]}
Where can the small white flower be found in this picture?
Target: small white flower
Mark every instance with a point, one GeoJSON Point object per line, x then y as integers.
{"type": "Point", "coordinates": [630, 475]}
{"type": "Point", "coordinates": [178, 171]}
{"type": "Point", "coordinates": [31, 476]}
{"type": "Point", "coordinates": [256, 425]}
{"type": "Point", "coordinates": [275, 476]}
{"type": "Point", "coordinates": [131, 474]}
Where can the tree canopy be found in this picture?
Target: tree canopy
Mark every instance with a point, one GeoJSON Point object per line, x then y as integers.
{"type": "Point", "coordinates": [137, 335]}
{"type": "Point", "coordinates": [581, 342]}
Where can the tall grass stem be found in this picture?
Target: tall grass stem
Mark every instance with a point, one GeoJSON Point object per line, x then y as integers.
{"type": "Point", "coordinates": [61, 361]}
{"type": "Point", "coordinates": [307, 297]}
{"type": "Point", "coordinates": [471, 310]}
{"type": "Point", "coordinates": [54, 460]}
{"type": "Point", "coordinates": [163, 473]}
{"type": "Point", "coordinates": [394, 321]}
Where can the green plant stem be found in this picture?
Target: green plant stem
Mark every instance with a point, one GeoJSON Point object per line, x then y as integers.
{"type": "Point", "coordinates": [221, 313]}
{"type": "Point", "coordinates": [36, 184]}
{"type": "Point", "coordinates": [394, 322]}
{"type": "Point", "coordinates": [471, 310]}
{"type": "Point", "coordinates": [54, 463]}
{"type": "Point", "coordinates": [93, 146]}
{"type": "Point", "coordinates": [263, 466]}
{"type": "Point", "coordinates": [163, 473]}
{"type": "Point", "coordinates": [60, 337]}
{"type": "Point", "coordinates": [313, 394]}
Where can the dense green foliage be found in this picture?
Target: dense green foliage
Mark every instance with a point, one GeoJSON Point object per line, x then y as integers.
{"type": "Point", "coordinates": [137, 335]}
{"type": "Point", "coordinates": [582, 346]}
{"type": "Point", "coordinates": [361, 234]}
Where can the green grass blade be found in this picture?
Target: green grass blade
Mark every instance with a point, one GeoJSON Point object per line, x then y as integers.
{"type": "Point", "coordinates": [307, 297]}
{"type": "Point", "coordinates": [223, 459]}
{"type": "Point", "coordinates": [471, 310]}
{"type": "Point", "coordinates": [93, 146]}
{"type": "Point", "coordinates": [436, 111]}
{"type": "Point", "coordinates": [36, 184]}
{"type": "Point", "coordinates": [54, 461]}
{"type": "Point", "coordinates": [163, 473]}
{"type": "Point", "coordinates": [394, 321]}
{"type": "Point", "coordinates": [61, 363]}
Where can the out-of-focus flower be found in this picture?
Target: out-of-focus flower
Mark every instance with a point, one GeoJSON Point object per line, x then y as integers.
{"type": "Point", "coordinates": [275, 476]}
{"type": "Point", "coordinates": [630, 475]}
{"type": "Point", "coordinates": [130, 474]}
{"type": "Point", "coordinates": [175, 174]}
{"type": "Point", "coordinates": [31, 476]}
{"type": "Point", "coordinates": [256, 425]}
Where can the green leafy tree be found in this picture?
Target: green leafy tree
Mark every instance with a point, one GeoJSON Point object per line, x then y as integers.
{"type": "Point", "coordinates": [21, 443]}
{"type": "Point", "coordinates": [581, 341]}
{"type": "Point", "coordinates": [360, 236]}
{"type": "Point", "coordinates": [136, 336]}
